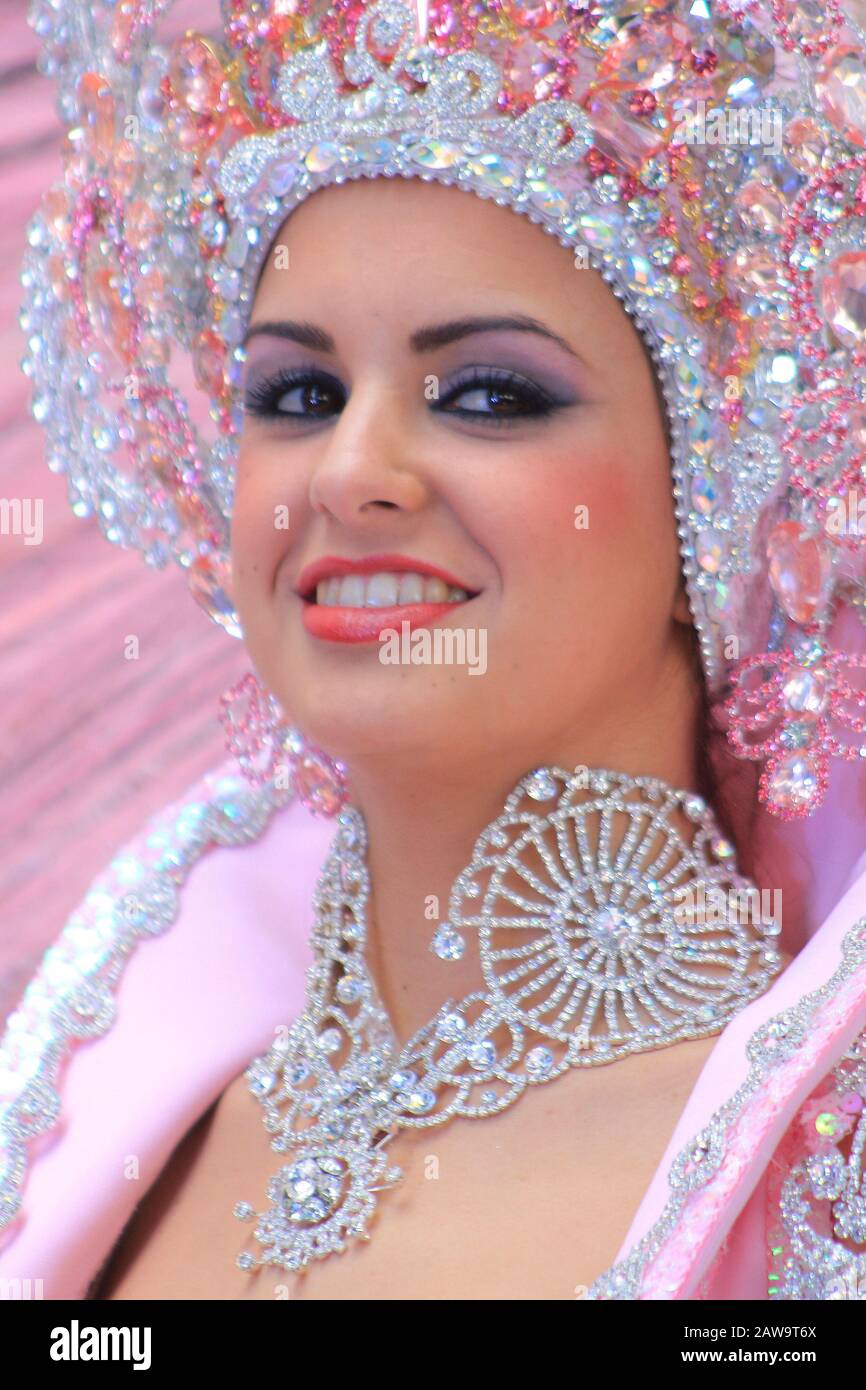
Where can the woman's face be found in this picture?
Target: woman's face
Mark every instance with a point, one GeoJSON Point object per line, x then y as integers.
{"type": "Point", "coordinates": [452, 395]}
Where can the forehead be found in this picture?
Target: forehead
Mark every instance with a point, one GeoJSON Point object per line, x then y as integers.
{"type": "Point", "coordinates": [410, 245]}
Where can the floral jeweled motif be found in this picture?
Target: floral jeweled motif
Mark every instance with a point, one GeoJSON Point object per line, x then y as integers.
{"type": "Point", "coordinates": [574, 893]}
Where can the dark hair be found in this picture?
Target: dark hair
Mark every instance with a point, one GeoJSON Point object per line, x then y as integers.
{"type": "Point", "coordinates": [727, 783]}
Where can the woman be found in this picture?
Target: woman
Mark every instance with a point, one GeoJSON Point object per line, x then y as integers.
{"type": "Point", "coordinates": [450, 425]}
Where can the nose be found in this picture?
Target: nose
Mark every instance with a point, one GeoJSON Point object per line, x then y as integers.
{"type": "Point", "coordinates": [366, 467]}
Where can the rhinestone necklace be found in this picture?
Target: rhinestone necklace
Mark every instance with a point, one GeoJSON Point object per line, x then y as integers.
{"type": "Point", "coordinates": [609, 919]}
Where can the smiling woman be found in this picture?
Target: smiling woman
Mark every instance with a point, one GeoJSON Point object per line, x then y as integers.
{"type": "Point", "coordinates": [454, 900]}
{"type": "Point", "coordinates": [426, 424]}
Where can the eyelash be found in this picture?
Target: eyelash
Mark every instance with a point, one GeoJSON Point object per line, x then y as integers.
{"type": "Point", "coordinates": [263, 398]}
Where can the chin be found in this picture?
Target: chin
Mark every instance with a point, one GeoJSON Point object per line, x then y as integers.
{"type": "Point", "coordinates": [352, 718]}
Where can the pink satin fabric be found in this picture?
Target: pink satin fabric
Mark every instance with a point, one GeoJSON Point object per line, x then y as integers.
{"type": "Point", "coordinates": [193, 1008]}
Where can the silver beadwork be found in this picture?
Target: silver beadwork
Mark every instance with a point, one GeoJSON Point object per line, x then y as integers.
{"type": "Point", "coordinates": [584, 960]}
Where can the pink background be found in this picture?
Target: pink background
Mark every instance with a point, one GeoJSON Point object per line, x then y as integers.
{"type": "Point", "coordinates": [90, 743]}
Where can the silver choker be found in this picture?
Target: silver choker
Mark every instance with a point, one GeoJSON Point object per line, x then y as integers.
{"type": "Point", "coordinates": [599, 934]}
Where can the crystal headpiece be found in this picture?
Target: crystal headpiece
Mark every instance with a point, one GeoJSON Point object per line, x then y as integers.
{"type": "Point", "coordinates": [707, 158]}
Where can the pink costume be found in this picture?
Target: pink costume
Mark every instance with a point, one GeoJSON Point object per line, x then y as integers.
{"type": "Point", "coordinates": [743, 268]}
{"type": "Point", "coordinates": [201, 993]}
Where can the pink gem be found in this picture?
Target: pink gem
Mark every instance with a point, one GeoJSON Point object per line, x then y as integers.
{"type": "Point", "coordinates": [804, 144]}
{"type": "Point", "coordinates": [141, 224]}
{"type": "Point", "coordinates": [209, 357]}
{"type": "Point", "coordinates": [620, 135]}
{"type": "Point", "coordinates": [800, 570]}
{"type": "Point", "coordinates": [97, 109]}
{"type": "Point", "coordinates": [209, 579]}
{"type": "Point", "coordinates": [196, 75]}
{"type": "Point", "coordinates": [250, 716]}
{"type": "Point", "coordinates": [530, 14]}
{"type": "Point", "coordinates": [809, 23]}
{"type": "Point", "coordinates": [112, 321]}
{"type": "Point", "coordinates": [840, 83]}
{"type": "Point", "coordinates": [57, 277]}
{"type": "Point", "coordinates": [125, 167]}
{"type": "Point", "coordinates": [55, 210]}
{"type": "Point", "coordinates": [852, 1104]}
{"type": "Point", "coordinates": [530, 69]}
{"type": "Point", "coordinates": [760, 207]}
{"type": "Point", "coordinates": [793, 786]}
{"type": "Point", "coordinates": [773, 330]}
{"type": "Point", "coordinates": [319, 781]}
{"type": "Point", "coordinates": [198, 80]}
{"type": "Point", "coordinates": [647, 54]}
{"type": "Point", "coordinates": [806, 691]}
{"type": "Point", "coordinates": [843, 298]}
{"type": "Point", "coordinates": [754, 272]}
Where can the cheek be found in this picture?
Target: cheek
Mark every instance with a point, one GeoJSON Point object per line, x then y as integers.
{"type": "Point", "coordinates": [588, 533]}
{"type": "Point", "coordinates": [567, 517]}
{"type": "Point", "coordinates": [264, 516]}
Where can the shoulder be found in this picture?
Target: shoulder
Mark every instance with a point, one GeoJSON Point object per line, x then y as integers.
{"type": "Point", "coordinates": [181, 959]}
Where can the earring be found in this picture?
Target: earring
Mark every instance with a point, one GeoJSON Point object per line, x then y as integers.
{"type": "Point", "coordinates": [263, 744]}
{"type": "Point", "coordinates": [795, 709]}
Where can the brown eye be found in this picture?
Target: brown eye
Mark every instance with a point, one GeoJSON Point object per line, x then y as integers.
{"type": "Point", "coordinates": [296, 396]}
{"type": "Point", "coordinates": [497, 399]}
{"type": "Point", "coordinates": [307, 400]}
{"type": "Point", "coordinates": [496, 396]}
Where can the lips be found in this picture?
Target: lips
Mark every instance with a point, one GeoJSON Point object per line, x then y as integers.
{"type": "Point", "coordinates": [354, 600]}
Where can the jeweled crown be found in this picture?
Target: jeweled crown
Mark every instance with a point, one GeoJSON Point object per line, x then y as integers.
{"type": "Point", "coordinates": [707, 158]}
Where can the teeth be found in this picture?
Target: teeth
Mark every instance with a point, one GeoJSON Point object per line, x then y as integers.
{"type": "Point", "coordinates": [410, 589]}
{"type": "Point", "coordinates": [381, 591]}
{"type": "Point", "coordinates": [348, 591]}
{"type": "Point", "coordinates": [435, 591]}
{"type": "Point", "coordinates": [385, 590]}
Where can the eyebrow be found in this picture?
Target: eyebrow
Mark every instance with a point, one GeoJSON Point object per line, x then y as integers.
{"type": "Point", "coordinates": [422, 340]}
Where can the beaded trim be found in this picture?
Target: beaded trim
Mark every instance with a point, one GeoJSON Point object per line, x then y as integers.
{"type": "Point", "coordinates": [776, 1041]}
{"type": "Point", "coordinates": [71, 995]}
{"type": "Point", "coordinates": [822, 1199]}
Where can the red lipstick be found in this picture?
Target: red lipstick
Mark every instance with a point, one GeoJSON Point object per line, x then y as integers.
{"type": "Point", "coordinates": [341, 624]}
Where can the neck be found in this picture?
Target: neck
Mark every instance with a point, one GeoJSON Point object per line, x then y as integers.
{"type": "Point", "coordinates": [423, 817]}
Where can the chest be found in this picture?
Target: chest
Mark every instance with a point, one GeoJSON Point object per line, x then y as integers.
{"type": "Point", "coordinates": [533, 1203]}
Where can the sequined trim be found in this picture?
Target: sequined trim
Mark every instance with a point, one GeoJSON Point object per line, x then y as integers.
{"type": "Point", "coordinates": [71, 996]}
{"type": "Point", "coordinates": [774, 1043]}
{"type": "Point", "coordinates": [819, 1198]}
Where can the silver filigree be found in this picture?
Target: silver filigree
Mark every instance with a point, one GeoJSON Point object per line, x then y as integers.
{"type": "Point", "coordinates": [594, 941]}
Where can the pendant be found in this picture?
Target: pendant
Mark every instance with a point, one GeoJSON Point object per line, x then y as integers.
{"type": "Point", "coordinates": [321, 1200]}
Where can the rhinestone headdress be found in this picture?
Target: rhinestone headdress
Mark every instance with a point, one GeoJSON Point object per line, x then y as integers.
{"type": "Point", "coordinates": [708, 158]}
